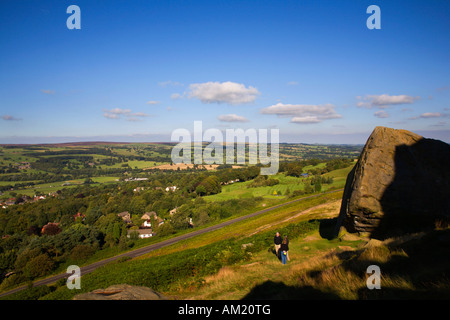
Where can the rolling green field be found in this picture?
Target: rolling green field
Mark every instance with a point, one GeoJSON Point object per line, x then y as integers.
{"type": "Point", "coordinates": [52, 167]}
{"type": "Point", "coordinates": [279, 191]}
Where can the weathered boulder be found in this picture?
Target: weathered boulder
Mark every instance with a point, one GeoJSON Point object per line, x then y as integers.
{"type": "Point", "coordinates": [400, 184]}
{"type": "Point", "coordinates": [121, 292]}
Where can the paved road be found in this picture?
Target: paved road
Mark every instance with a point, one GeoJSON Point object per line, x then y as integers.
{"type": "Point", "coordinates": [152, 247]}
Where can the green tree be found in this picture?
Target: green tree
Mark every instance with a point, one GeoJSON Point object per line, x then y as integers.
{"type": "Point", "coordinates": [201, 190]}
{"type": "Point", "coordinates": [308, 188]}
{"type": "Point", "coordinates": [116, 231]}
{"type": "Point", "coordinates": [39, 266]}
{"type": "Point", "coordinates": [318, 185]}
{"type": "Point", "coordinates": [81, 252]}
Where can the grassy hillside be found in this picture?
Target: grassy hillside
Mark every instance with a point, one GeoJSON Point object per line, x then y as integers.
{"type": "Point", "coordinates": [238, 262]}
{"type": "Point", "coordinates": [286, 186]}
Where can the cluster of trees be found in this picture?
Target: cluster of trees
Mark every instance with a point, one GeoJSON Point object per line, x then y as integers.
{"type": "Point", "coordinates": [322, 152]}
{"type": "Point", "coordinates": [40, 237]}
{"type": "Point", "coordinates": [296, 168]}
{"type": "Point", "coordinates": [208, 185]}
{"type": "Point", "coordinates": [263, 181]}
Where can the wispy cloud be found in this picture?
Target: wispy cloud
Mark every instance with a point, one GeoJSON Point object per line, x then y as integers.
{"type": "Point", "coordinates": [170, 83]}
{"type": "Point", "coordinates": [223, 92]}
{"type": "Point", "coordinates": [384, 100]}
{"type": "Point", "coordinates": [153, 102]}
{"type": "Point", "coordinates": [47, 91]}
{"type": "Point", "coordinates": [128, 115]}
{"type": "Point", "coordinates": [8, 117]}
{"type": "Point", "coordinates": [176, 96]}
{"type": "Point", "coordinates": [302, 113]}
{"type": "Point", "coordinates": [431, 115]}
{"type": "Point", "coordinates": [381, 114]}
{"type": "Point", "coordinates": [442, 89]}
{"type": "Point", "coordinates": [439, 124]}
{"type": "Point", "coordinates": [232, 118]}
{"type": "Point", "coordinates": [428, 115]}
{"type": "Point", "coordinates": [292, 83]}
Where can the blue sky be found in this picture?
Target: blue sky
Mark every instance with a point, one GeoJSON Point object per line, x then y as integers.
{"type": "Point", "coordinates": [137, 70]}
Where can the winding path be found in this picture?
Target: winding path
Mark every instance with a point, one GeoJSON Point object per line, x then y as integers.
{"type": "Point", "coordinates": [144, 250]}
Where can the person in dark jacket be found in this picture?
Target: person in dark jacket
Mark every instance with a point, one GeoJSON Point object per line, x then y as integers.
{"type": "Point", "coordinates": [284, 248]}
{"type": "Point", "coordinates": [277, 241]}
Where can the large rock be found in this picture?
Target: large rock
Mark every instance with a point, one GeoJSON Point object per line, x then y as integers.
{"type": "Point", "coordinates": [121, 292]}
{"type": "Point", "coordinates": [400, 184]}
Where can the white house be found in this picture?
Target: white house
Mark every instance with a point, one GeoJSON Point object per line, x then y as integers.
{"type": "Point", "coordinates": [147, 224]}
{"type": "Point", "coordinates": [142, 233]}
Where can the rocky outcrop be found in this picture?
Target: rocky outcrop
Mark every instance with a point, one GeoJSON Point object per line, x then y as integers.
{"type": "Point", "coordinates": [400, 184]}
{"type": "Point", "coordinates": [121, 292]}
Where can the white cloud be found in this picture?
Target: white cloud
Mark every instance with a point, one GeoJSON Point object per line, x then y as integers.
{"type": "Point", "coordinates": [292, 83]}
{"type": "Point", "coordinates": [381, 114]}
{"type": "Point", "coordinates": [431, 115]}
{"type": "Point", "coordinates": [225, 92]}
{"type": "Point", "coordinates": [384, 100]}
{"type": "Point", "coordinates": [303, 113]}
{"type": "Point", "coordinates": [152, 102]}
{"type": "Point", "coordinates": [175, 96]}
{"type": "Point", "coordinates": [306, 119]}
{"type": "Point", "coordinates": [110, 115]}
{"type": "Point", "coordinates": [232, 118]}
{"type": "Point", "coordinates": [118, 111]}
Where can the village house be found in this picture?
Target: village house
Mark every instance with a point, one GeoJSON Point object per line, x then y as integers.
{"type": "Point", "coordinates": [147, 219]}
{"type": "Point", "coordinates": [36, 198]}
{"type": "Point", "coordinates": [146, 224]}
{"type": "Point", "coordinates": [126, 216]}
{"type": "Point", "coordinates": [229, 182]}
{"type": "Point", "coordinates": [134, 179]}
{"type": "Point", "coordinates": [172, 188]}
{"type": "Point", "coordinates": [142, 233]}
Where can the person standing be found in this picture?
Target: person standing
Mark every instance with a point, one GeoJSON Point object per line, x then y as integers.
{"type": "Point", "coordinates": [287, 242]}
{"type": "Point", "coordinates": [284, 248]}
{"type": "Point", "coordinates": [277, 241]}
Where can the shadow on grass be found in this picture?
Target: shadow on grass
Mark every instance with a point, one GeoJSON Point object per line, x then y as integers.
{"type": "Point", "coordinates": [270, 290]}
{"type": "Point", "coordinates": [327, 227]}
